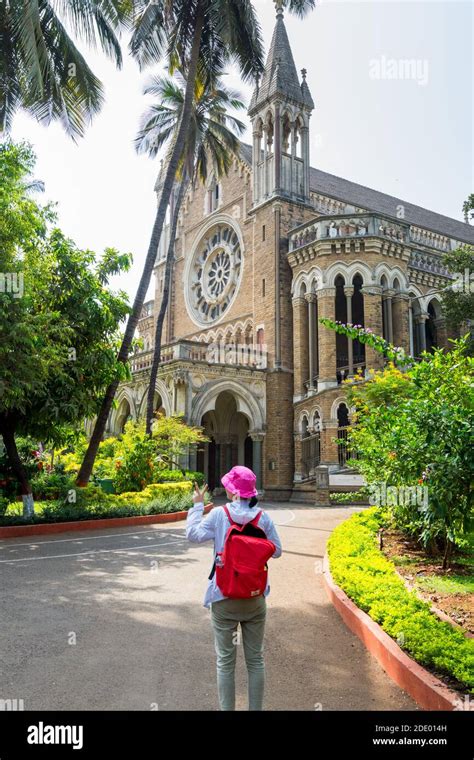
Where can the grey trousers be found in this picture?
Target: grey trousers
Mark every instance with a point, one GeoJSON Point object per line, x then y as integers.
{"type": "Point", "coordinates": [226, 616]}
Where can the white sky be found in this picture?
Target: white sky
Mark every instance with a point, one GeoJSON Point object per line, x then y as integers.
{"type": "Point", "coordinates": [411, 138]}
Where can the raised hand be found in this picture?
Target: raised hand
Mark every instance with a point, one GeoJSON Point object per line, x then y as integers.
{"type": "Point", "coordinates": [199, 494]}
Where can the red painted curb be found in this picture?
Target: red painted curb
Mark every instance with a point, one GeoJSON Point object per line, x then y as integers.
{"type": "Point", "coordinates": [428, 691]}
{"type": "Point", "coordinates": [112, 522]}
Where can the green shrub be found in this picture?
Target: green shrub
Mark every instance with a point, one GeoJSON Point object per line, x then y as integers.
{"type": "Point", "coordinates": [51, 485]}
{"type": "Point", "coordinates": [168, 476]}
{"type": "Point", "coordinates": [175, 476]}
{"type": "Point", "coordinates": [370, 580]}
{"type": "Point", "coordinates": [343, 497]}
{"type": "Point", "coordinates": [4, 501]}
{"type": "Point", "coordinates": [196, 477]}
{"type": "Point", "coordinates": [93, 503]}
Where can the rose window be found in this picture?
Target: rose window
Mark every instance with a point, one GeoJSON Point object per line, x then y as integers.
{"type": "Point", "coordinates": [214, 274]}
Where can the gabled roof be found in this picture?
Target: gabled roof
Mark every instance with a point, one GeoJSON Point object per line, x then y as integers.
{"type": "Point", "coordinates": [374, 200]}
{"type": "Point", "coordinates": [280, 76]}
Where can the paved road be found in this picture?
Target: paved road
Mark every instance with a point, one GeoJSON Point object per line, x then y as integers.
{"type": "Point", "coordinates": [114, 620]}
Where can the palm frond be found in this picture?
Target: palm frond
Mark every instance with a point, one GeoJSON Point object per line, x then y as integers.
{"type": "Point", "coordinates": [149, 34]}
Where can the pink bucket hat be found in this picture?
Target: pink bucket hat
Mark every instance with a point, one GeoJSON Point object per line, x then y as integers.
{"type": "Point", "coordinates": [240, 480]}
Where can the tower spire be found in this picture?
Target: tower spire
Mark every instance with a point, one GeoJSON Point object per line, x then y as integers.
{"type": "Point", "coordinates": [280, 109]}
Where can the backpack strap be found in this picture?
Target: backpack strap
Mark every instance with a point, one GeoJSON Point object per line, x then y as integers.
{"type": "Point", "coordinates": [232, 522]}
{"type": "Point", "coordinates": [256, 518]}
{"type": "Point", "coordinates": [226, 510]}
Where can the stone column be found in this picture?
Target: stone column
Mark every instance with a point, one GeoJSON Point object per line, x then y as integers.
{"type": "Point", "coordinates": [257, 439]}
{"type": "Point", "coordinates": [193, 457]}
{"type": "Point", "coordinates": [420, 323]}
{"type": "Point", "coordinates": [298, 477]}
{"type": "Point", "coordinates": [411, 332]}
{"type": "Point", "coordinates": [256, 161]}
{"type": "Point", "coordinates": [373, 319]}
{"type": "Point", "coordinates": [322, 485]}
{"type": "Point", "coordinates": [277, 148]}
{"type": "Point", "coordinates": [228, 454]}
{"type": "Point", "coordinates": [329, 446]}
{"type": "Point", "coordinates": [401, 326]}
{"type": "Point", "coordinates": [387, 301]}
{"type": "Point", "coordinates": [349, 292]}
{"type": "Point", "coordinates": [327, 340]}
{"type": "Point", "coordinates": [311, 299]}
{"type": "Point", "coordinates": [265, 161]}
{"type": "Point", "coordinates": [305, 155]}
{"type": "Point", "coordinates": [294, 138]}
{"type": "Point", "coordinates": [300, 344]}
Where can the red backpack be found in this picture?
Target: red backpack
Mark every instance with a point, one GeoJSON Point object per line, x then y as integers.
{"type": "Point", "coordinates": [241, 568]}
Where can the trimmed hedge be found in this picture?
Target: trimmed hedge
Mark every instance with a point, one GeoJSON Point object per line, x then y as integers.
{"type": "Point", "coordinates": [371, 581]}
{"type": "Point", "coordinates": [92, 503]}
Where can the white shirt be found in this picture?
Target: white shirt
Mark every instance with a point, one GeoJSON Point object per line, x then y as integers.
{"type": "Point", "coordinates": [216, 525]}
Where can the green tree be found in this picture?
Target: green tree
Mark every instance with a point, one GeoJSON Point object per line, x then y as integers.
{"type": "Point", "coordinates": [210, 139]}
{"type": "Point", "coordinates": [458, 299]}
{"type": "Point", "coordinates": [58, 319]}
{"type": "Point", "coordinates": [41, 68]}
{"type": "Point", "coordinates": [193, 34]}
{"type": "Point", "coordinates": [138, 457]}
{"type": "Point", "coordinates": [414, 427]}
{"type": "Point", "coordinates": [468, 208]}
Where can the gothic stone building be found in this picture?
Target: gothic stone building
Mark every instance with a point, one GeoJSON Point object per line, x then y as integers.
{"type": "Point", "coordinates": [260, 256]}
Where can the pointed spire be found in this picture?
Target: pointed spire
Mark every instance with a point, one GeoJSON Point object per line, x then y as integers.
{"type": "Point", "coordinates": [280, 76]}
{"type": "Point", "coordinates": [305, 90]}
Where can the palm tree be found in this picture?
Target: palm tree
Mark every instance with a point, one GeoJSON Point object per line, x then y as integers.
{"type": "Point", "coordinates": [195, 33]}
{"type": "Point", "coordinates": [210, 139]}
{"type": "Point", "coordinates": [42, 70]}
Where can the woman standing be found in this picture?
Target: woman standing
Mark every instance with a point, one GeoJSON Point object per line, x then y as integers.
{"type": "Point", "coordinates": [227, 612]}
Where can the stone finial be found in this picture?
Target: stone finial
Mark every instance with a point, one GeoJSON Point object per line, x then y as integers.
{"type": "Point", "coordinates": [279, 8]}
{"type": "Point", "coordinates": [303, 74]}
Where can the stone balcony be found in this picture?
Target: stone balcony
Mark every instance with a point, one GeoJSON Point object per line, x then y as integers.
{"type": "Point", "coordinates": [363, 225]}
{"type": "Point", "coordinates": [431, 263]}
{"type": "Point", "coordinates": [345, 227]}
{"type": "Point", "coordinates": [248, 356]}
{"type": "Point", "coordinates": [339, 226]}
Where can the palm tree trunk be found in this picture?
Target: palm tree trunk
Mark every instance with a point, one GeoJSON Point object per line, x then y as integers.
{"type": "Point", "coordinates": [8, 435]}
{"type": "Point", "coordinates": [164, 305]}
{"type": "Point", "coordinates": [101, 421]}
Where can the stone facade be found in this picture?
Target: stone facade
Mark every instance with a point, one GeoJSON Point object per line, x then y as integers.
{"type": "Point", "coordinates": [260, 256]}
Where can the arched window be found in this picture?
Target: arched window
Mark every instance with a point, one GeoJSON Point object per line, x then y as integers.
{"type": "Point", "coordinates": [416, 344]}
{"type": "Point", "coordinates": [342, 357]}
{"type": "Point", "coordinates": [431, 329]}
{"type": "Point", "coordinates": [213, 196]}
{"type": "Point", "coordinates": [304, 427]}
{"type": "Point", "coordinates": [358, 318]}
{"type": "Point", "coordinates": [384, 284]}
{"type": "Point", "coordinates": [342, 425]}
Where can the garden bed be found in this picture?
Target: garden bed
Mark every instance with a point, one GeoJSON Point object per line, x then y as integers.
{"type": "Point", "coordinates": [92, 503]}
{"type": "Point", "coordinates": [35, 529]}
{"type": "Point", "coordinates": [450, 591]}
{"type": "Point", "coordinates": [370, 580]}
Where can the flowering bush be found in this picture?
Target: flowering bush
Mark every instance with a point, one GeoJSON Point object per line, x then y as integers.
{"type": "Point", "coordinates": [414, 426]}
{"type": "Point", "coordinates": [367, 336]}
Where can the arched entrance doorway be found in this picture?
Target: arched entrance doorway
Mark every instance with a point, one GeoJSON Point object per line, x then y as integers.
{"type": "Point", "coordinates": [124, 414]}
{"type": "Point", "coordinates": [229, 444]}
